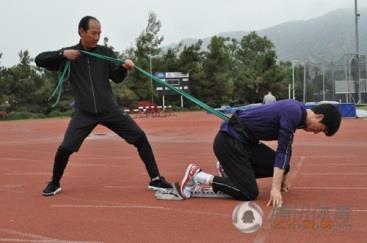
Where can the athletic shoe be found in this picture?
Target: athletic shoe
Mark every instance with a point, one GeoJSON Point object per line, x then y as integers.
{"type": "Point", "coordinates": [220, 170]}
{"type": "Point", "coordinates": [51, 189]}
{"type": "Point", "coordinates": [159, 184]}
{"type": "Point", "coordinates": [188, 182]}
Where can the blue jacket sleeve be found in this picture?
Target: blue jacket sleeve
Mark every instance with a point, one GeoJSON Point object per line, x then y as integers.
{"type": "Point", "coordinates": [287, 126]}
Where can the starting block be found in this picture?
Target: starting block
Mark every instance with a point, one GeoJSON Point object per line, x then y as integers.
{"type": "Point", "coordinates": [170, 194]}
{"type": "Point", "coordinates": [198, 192]}
{"type": "Point", "coordinates": [207, 192]}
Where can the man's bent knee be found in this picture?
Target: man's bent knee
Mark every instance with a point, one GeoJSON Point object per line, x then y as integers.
{"type": "Point", "coordinates": [142, 138]}
{"type": "Point", "coordinates": [247, 196]}
{"type": "Point", "coordinates": [65, 150]}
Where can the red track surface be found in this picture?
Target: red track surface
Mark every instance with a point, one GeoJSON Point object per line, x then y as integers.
{"type": "Point", "coordinates": [105, 199]}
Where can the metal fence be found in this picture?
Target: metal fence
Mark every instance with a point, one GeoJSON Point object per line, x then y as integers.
{"type": "Point", "coordinates": [340, 80]}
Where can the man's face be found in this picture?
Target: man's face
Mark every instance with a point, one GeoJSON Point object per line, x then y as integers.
{"type": "Point", "coordinates": [314, 124]}
{"type": "Point", "coordinates": [90, 37]}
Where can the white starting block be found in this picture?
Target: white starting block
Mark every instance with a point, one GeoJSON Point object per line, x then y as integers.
{"type": "Point", "coordinates": [208, 192]}
{"type": "Point", "coordinates": [169, 194]}
{"type": "Point", "coordinates": [198, 192]}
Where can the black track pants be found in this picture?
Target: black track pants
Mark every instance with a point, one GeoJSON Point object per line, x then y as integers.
{"type": "Point", "coordinates": [242, 163]}
{"type": "Point", "coordinates": [82, 124]}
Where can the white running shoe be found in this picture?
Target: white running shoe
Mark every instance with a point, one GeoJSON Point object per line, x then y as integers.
{"type": "Point", "coordinates": [220, 170]}
{"type": "Point", "coordinates": [188, 182]}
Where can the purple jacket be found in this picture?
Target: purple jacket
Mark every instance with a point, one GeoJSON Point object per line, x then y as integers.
{"type": "Point", "coordinates": [275, 121]}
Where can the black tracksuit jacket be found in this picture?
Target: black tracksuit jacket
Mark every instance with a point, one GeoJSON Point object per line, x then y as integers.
{"type": "Point", "coordinates": [89, 77]}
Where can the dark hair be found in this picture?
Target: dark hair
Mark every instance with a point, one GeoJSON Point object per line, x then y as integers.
{"type": "Point", "coordinates": [332, 117]}
{"type": "Point", "coordinates": [84, 23]}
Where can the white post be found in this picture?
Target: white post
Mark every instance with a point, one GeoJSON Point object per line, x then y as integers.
{"type": "Point", "coordinates": [356, 18]}
{"type": "Point", "coordinates": [151, 70]}
{"type": "Point", "coordinates": [304, 82]}
{"type": "Point", "coordinates": [293, 81]}
{"type": "Point", "coordinates": [323, 82]}
{"type": "Point", "coordinates": [289, 91]}
{"type": "Point", "coordinates": [181, 101]}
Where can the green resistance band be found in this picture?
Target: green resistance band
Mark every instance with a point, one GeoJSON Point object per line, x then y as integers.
{"type": "Point", "coordinates": [64, 75]}
{"type": "Point", "coordinates": [57, 91]}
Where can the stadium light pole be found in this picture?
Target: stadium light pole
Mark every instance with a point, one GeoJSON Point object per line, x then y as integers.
{"type": "Point", "coordinates": [293, 93]}
{"type": "Point", "coordinates": [151, 71]}
{"type": "Point", "coordinates": [289, 91]}
{"type": "Point", "coordinates": [332, 80]}
{"type": "Point", "coordinates": [304, 81]}
{"type": "Point", "coordinates": [323, 82]}
{"type": "Point", "coordinates": [356, 18]}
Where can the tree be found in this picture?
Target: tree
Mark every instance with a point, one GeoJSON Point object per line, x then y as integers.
{"type": "Point", "coordinates": [168, 62]}
{"type": "Point", "coordinates": [3, 100]}
{"type": "Point", "coordinates": [24, 88]}
{"type": "Point", "coordinates": [147, 46]}
{"type": "Point", "coordinates": [191, 58]}
{"type": "Point", "coordinates": [24, 58]}
{"type": "Point", "coordinates": [256, 69]}
{"type": "Point", "coordinates": [216, 85]}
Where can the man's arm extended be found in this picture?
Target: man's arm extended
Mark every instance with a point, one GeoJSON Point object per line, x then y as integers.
{"type": "Point", "coordinates": [275, 193]}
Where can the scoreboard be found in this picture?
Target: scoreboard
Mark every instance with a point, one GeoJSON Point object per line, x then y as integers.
{"type": "Point", "coordinates": [177, 79]}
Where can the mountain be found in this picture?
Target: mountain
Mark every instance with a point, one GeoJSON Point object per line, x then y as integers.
{"type": "Point", "coordinates": [319, 39]}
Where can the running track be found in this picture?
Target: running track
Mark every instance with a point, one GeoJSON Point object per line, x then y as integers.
{"type": "Point", "coordinates": [105, 199]}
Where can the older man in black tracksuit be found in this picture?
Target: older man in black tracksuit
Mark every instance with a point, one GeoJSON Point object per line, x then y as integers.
{"type": "Point", "coordinates": [94, 102]}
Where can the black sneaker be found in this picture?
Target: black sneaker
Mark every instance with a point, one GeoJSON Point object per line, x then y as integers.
{"type": "Point", "coordinates": [159, 184]}
{"type": "Point", "coordinates": [51, 189]}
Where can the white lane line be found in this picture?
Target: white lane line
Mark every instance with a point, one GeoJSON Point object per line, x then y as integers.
{"type": "Point", "coordinates": [112, 204]}
{"type": "Point", "coordinates": [261, 237]}
{"type": "Point", "coordinates": [106, 157]}
{"type": "Point", "coordinates": [123, 187]}
{"type": "Point", "coordinates": [296, 171]}
{"type": "Point", "coordinates": [23, 159]}
{"type": "Point", "coordinates": [104, 165]}
{"type": "Point", "coordinates": [10, 186]}
{"type": "Point", "coordinates": [29, 173]}
{"type": "Point", "coordinates": [203, 213]}
{"type": "Point", "coordinates": [166, 173]}
{"type": "Point", "coordinates": [333, 174]}
{"type": "Point", "coordinates": [23, 240]}
{"type": "Point", "coordinates": [18, 151]}
{"type": "Point", "coordinates": [106, 206]}
{"type": "Point", "coordinates": [330, 188]}
{"type": "Point", "coordinates": [328, 209]}
{"type": "Point", "coordinates": [335, 164]}
{"type": "Point", "coordinates": [43, 241]}
{"type": "Point", "coordinates": [89, 201]}
{"type": "Point", "coordinates": [140, 207]}
{"type": "Point", "coordinates": [26, 142]}
{"type": "Point", "coordinates": [37, 238]}
{"type": "Point", "coordinates": [335, 156]}
{"type": "Point", "coordinates": [8, 190]}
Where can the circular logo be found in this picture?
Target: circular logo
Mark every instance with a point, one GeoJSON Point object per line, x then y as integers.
{"type": "Point", "coordinates": [247, 217]}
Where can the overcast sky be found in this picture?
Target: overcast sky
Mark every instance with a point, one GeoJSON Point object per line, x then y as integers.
{"type": "Point", "coordinates": [40, 25]}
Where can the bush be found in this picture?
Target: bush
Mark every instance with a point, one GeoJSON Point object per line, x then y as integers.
{"type": "Point", "coordinates": [19, 115]}
{"type": "Point", "coordinates": [60, 113]}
